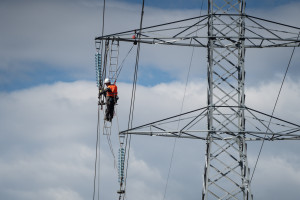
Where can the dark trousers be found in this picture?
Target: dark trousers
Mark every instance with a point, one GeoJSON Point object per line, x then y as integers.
{"type": "Point", "coordinates": [110, 105]}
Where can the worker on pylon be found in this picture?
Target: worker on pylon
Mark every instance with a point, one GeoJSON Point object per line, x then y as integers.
{"type": "Point", "coordinates": [111, 94]}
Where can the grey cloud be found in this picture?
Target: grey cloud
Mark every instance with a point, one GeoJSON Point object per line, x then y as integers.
{"type": "Point", "coordinates": [48, 144]}
{"type": "Point", "coordinates": [59, 36]}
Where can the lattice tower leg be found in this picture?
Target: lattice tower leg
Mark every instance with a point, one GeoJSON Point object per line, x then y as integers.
{"type": "Point", "coordinates": [226, 173]}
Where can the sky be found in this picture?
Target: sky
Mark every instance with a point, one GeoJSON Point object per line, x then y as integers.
{"type": "Point", "coordinates": [48, 102]}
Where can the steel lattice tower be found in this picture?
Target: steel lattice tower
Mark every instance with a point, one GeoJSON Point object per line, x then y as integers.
{"type": "Point", "coordinates": [226, 123]}
{"type": "Point", "coordinates": [226, 169]}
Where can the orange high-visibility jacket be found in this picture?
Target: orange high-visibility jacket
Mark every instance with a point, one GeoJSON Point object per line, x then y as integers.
{"type": "Point", "coordinates": [114, 91]}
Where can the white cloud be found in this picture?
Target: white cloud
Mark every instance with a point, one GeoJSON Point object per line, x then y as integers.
{"type": "Point", "coordinates": [48, 140]}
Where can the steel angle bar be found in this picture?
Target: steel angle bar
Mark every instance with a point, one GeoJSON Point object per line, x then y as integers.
{"type": "Point", "coordinates": [221, 175]}
{"type": "Point", "coordinates": [288, 44]}
{"type": "Point", "coordinates": [227, 72]}
{"type": "Point", "coordinates": [265, 20]}
{"type": "Point", "coordinates": [290, 138]}
{"type": "Point", "coordinates": [262, 120]}
{"type": "Point", "coordinates": [274, 133]}
{"type": "Point", "coordinates": [192, 120]}
{"type": "Point", "coordinates": [225, 27]}
{"type": "Point", "coordinates": [196, 122]}
{"type": "Point", "coordinates": [166, 134]}
{"type": "Point", "coordinates": [209, 191]}
{"type": "Point", "coordinates": [219, 79]}
{"type": "Point", "coordinates": [267, 128]}
{"type": "Point", "coordinates": [218, 186]}
{"type": "Point", "coordinates": [224, 80]}
{"type": "Point", "coordinates": [196, 137]}
{"type": "Point", "coordinates": [179, 132]}
{"type": "Point", "coordinates": [261, 38]}
{"type": "Point", "coordinates": [231, 50]}
{"type": "Point", "coordinates": [225, 149]}
{"type": "Point", "coordinates": [216, 84]}
{"type": "Point", "coordinates": [227, 3]}
{"type": "Point", "coordinates": [199, 42]}
{"type": "Point", "coordinates": [227, 121]}
{"type": "Point", "coordinates": [230, 194]}
{"type": "Point", "coordinates": [171, 132]}
{"type": "Point", "coordinates": [225, 57]}
{"type": "Point", "coordinates": [195, 24]}
{"type": "Point", "coordinates": [229, 95]}
{"type": "Point", "coordinates": [219, 37]}
{"type": "Point", "coordinates": [174, 28]}
{"type": "Point", "coordinates": [220, 150]}
{"type": "Point", "coordinates": [172, 41]}
{"type": "Point", "coordinates": [165, 119]}
{"type": "Point", "coordinates": [154, 26]}
{"type": "Point", "coordinates": [161, 41]}
{"type": "Point", "coordinates": [264, 28]}
{"type": "Point", "coordinates": [233, 5]}
{"type": "Point", "coordinates": [254, 135]}
{"type": "Point", "coordinates": [222, 57]}
{"type": "Point", "coordinates": [217, 132]}
{"type": "Point", "coordinates": [195, 31]}
{"type": "Point", "coordinates": [222, 190]}
{"type": "Point", "coordinates": [274, 30]}
{"type": "Point", "coordinates": [223, 126]}
{"type": "Point", "coordinates": [228, 25]}
{"type": "Point", "coordinates": [248, 39]}
{"type": "Point", "coordinates": [289, 132]}
{"type": "Point", "coordinates": [248, 108]}
{"type": "Point", "coordinates": [231, 167]}
{"type": "Point", "coordinates": [180, 119]}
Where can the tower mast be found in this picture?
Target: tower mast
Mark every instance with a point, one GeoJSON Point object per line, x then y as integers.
{"type": "Point", "coordinates": [226, 173]}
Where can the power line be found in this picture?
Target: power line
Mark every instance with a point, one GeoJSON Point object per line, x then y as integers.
{"type": "Point", "coordinates": [262, 144]}
{"type": "Point", "coordinates": [130, 119]}
{"type": "Point", "coordinates": [183, 99]}
{"type": "Point", "coordinates": [96, 159]}
{"type": "Point", "coordinates": [122, 64]}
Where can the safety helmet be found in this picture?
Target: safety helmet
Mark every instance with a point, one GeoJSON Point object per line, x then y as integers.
{"type": "Point", "coordinates": [106, 80]}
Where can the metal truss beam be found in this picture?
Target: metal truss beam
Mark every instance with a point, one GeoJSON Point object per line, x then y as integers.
{"type": "Point", "coordinates": [193, 126]}
{"type": "Point", "coordinates": [259, 33]}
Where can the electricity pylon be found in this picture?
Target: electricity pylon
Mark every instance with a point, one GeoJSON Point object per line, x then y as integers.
{"type": "Point", "coordinates": [229, 122]}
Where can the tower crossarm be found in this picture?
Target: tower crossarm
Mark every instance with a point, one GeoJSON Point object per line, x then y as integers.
{"type": "Point", "coordinates": [259, 126]}
{"type": "Point", "coordinates": [259, 33]}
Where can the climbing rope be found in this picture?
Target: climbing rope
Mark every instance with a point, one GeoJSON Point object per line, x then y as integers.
{"type": "Point", "coordinates": [282, 82]}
